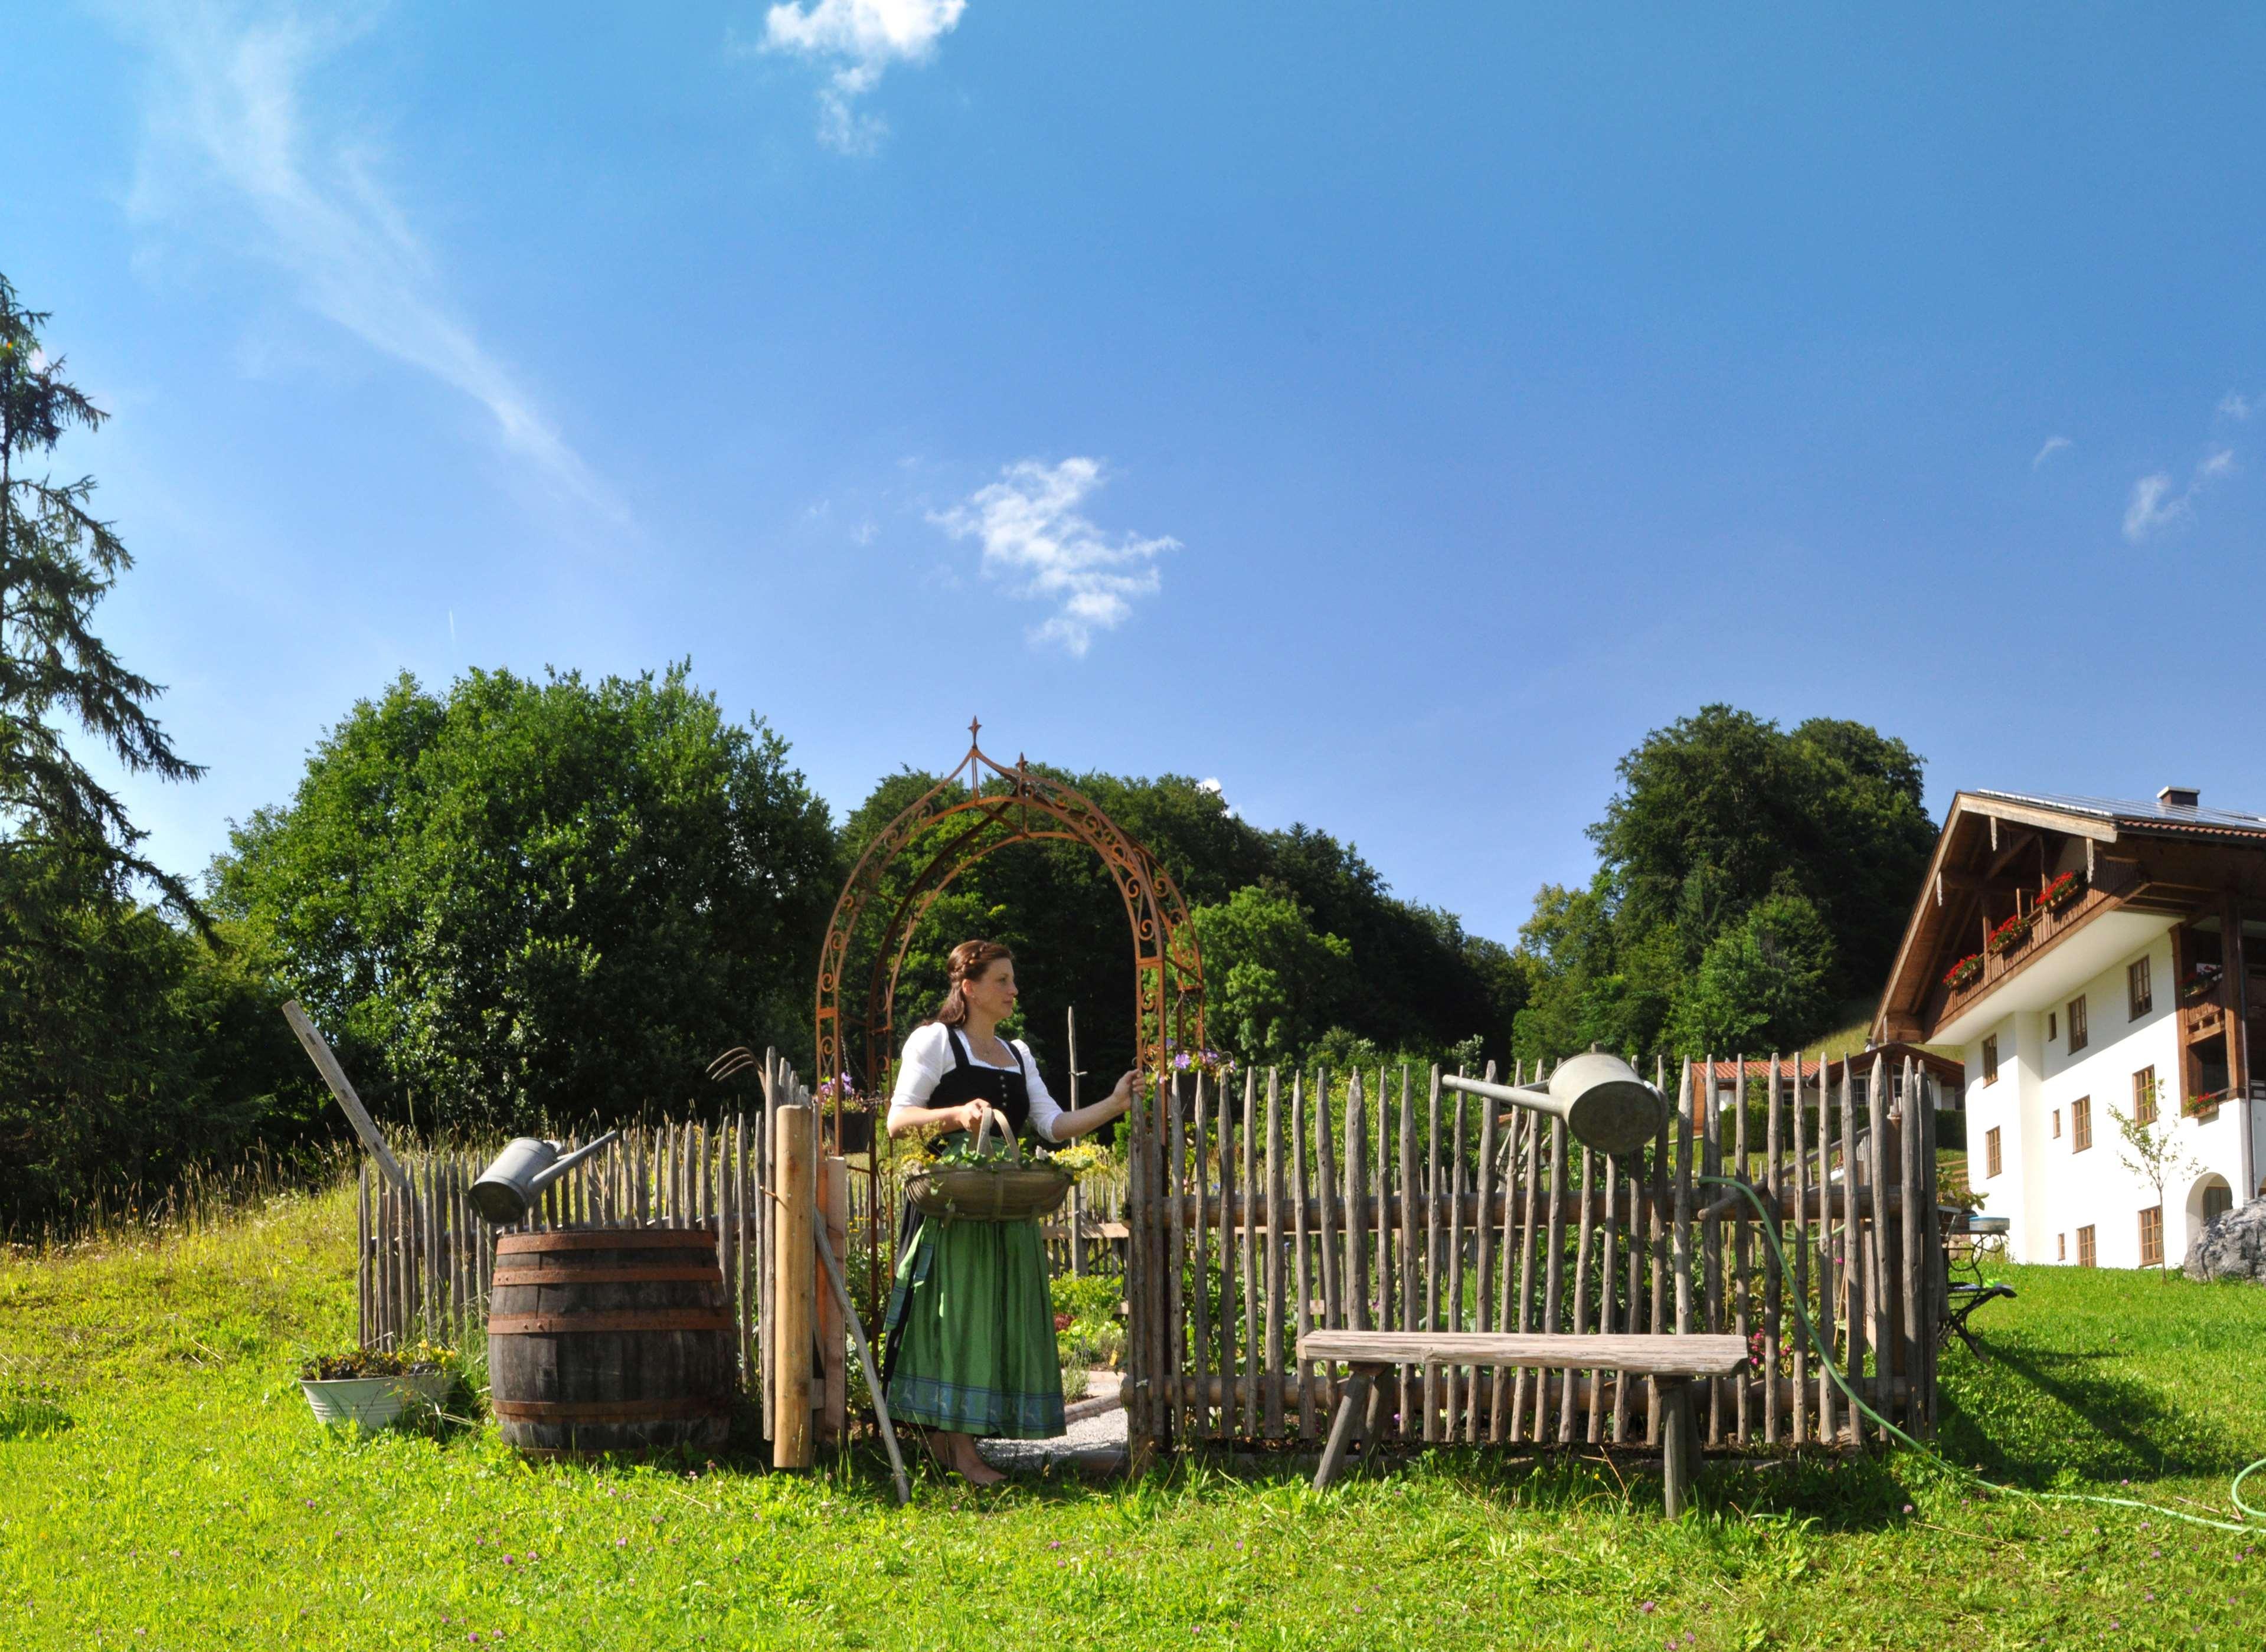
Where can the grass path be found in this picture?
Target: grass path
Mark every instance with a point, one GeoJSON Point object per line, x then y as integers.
{"type": "Point", "coordinates": [162, 1486]}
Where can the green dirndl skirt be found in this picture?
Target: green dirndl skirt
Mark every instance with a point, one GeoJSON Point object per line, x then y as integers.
{"type": "Point", "coordinates": [973, 1332]}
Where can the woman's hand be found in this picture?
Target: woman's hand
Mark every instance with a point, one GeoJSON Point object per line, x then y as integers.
{"type": "Point", "coordinates": [970, 1114]}
{"type": "Point", "coordinates": [1121, 1098]}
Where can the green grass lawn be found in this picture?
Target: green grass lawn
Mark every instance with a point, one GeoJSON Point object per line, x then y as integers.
{"type": "Point", "coordinates": [162, 1486]}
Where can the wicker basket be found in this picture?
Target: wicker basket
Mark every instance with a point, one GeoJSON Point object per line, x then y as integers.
{"type": "Point", "coordinates": [1013, 1193]}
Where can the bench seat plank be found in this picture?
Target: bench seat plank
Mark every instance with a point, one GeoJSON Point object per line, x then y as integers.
{"type": "Point", "coordinates": [1638, 1355]}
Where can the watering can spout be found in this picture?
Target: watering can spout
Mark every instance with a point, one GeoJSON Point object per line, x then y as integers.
{"type": "Point", "coordinates": [509, 1186]}
{"type": "Point", "coordinates": [545, 1177]}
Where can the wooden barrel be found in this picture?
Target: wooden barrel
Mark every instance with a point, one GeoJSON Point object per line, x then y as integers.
{"type": "Point", "coordinates": [610, 1340]}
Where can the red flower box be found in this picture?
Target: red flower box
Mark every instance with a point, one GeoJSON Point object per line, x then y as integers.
{"type": "Point", "coordinates": [1964, 971]}
{"type": "Point", "coordinates": [2010, 934]}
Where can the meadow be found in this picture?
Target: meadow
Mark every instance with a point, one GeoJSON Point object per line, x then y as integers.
{"type": "Point", "coordinates": [163, 1486]}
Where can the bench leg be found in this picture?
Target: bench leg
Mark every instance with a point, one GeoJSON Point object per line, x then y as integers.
{"type": "Point", "coordinates": [1353, 1408]}
{"type": "Point", "coordinates": [1679, 1443]}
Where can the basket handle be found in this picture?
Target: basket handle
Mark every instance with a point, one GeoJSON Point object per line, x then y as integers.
{"type": "Point", "coordinates": [983, 1138]}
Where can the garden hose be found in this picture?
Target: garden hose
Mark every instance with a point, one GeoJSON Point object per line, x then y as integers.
{"type": "Point", "coordinates": [1826, 1359]}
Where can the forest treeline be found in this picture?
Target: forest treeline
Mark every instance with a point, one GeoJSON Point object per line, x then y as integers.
{"type": "Point", "coordinates": [514, 902]}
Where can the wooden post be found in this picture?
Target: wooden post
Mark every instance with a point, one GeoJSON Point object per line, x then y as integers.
{"type": "Point", "coordinates": [335, 1075]}
{"type": "Point", "coordinates": [1192, 1185]}
{"type": "Point", "coordinates": [1679, 1439]}
{"type": "Point", "coordinates": [1409, 1387]}
{"type": "Point", "coordinates": [1274, 1254]}
{"type": "Point", "coordinates": [1486, 1282]}
{"type": "Point", "coordinates": [793, 1287]}
{"type": "Point", "coordinates": [1251, 1359]}
{"type": "Point", "coordinates": [833, 1332]}
{"type": "Point", "coordinates": [1360, 1381]}
{"type": "Point", "coordinates": [1302, 1266]}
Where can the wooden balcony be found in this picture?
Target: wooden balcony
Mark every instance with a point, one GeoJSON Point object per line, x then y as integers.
{"type": "Point", "coordinates": [2046, 929]}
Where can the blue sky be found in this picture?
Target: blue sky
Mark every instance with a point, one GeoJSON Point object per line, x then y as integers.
{"type": "Point", "coordinates": [1392, 412]}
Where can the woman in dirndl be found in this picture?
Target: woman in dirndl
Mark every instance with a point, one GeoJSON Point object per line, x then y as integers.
{"type": "Point", "coordinates": [970, 1352]}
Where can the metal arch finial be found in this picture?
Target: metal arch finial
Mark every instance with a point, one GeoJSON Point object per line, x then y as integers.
{"type": "Point", "coordinates": [975, 728]}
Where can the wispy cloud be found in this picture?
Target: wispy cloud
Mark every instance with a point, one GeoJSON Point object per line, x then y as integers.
{"type": "Point", "coordinates": [1033, 535]}
{"type": "Point", "coordinates": [2153, 507]}
{"type": "Point", "coordinates": [862, 38]}
{"type": "Point", "coordinates": [2054, 444]}
{"type": "Point", "coordinates": [236, 150]}
{"type": "Point", "coordinates": [2236, 404]}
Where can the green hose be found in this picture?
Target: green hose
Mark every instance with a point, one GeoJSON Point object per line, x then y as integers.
{"type": "Point", "coordinates": [1826, 1359]}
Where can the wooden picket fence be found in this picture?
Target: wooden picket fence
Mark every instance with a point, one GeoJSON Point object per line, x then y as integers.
{"type": "Point", "coordinates": [1248, 1213]}
{"type": "Point", "coordinates": [1375, 1201]}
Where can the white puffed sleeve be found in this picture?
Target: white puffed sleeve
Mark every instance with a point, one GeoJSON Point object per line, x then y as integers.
{"type": "Point", "coordinates": [927, 1057]}
{"type": "Point", "coordinates": [1044, 1109]}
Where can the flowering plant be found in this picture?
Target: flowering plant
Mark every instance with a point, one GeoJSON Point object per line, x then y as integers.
{"type": "Point", "coordinates": [1964, 971]}
{"type": "Point", "coordinates": [418, 1359]}
{"type": "Point", "coordinates": [2010, 934]}
{"type": "Point", "coordinates": [2062, 892]}
{"type": "Point", "coordinates": [2197, 984]}
{"type": "Point", "coordinates": [1076, 1159]}
{"type": "Point", "coordinates": [1208, 1061]}
{"type": "Point", "coordinates": [844, 1090]}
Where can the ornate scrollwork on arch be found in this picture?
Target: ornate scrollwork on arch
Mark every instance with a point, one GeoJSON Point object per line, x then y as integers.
{"type": "Point", "coordinates": [995, 806]}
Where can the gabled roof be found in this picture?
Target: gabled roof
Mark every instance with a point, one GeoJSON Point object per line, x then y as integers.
{"type": "Point", "coordinates": [1972, 871]}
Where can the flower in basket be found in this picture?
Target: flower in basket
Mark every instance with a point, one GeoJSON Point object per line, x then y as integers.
{"type": "Point", "coordinates": [1077, 1159]}
{"type": "Point", "coordinates": [2010, 934]}
{"type": "Point", "coordinates": [2062, 892]}
{"type": "Point", "coordinates": [1964, 971]}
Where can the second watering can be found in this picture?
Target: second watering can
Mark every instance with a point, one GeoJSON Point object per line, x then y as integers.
{"type": "Point", "coordinates": [507, 1188]}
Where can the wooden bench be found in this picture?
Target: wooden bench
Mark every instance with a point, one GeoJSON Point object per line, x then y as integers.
{"type": "Point", "coordinates": [1674, 1362]}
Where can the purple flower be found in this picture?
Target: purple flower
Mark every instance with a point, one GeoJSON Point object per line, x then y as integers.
{"type": "Point", "coordinates": [1908, 1509]}
{"type": "Point", "coordinates": [1055, 1543]}
{"type": "Point", "coordinates": [1647, 1607]}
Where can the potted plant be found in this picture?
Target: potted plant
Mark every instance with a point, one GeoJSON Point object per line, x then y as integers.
{"type": "Point", "coordinates": [1964, 972]}
{"type": "Point", "coordinates": [2009, 935]}
{"type": "Point", "coordinates": [853, 1124]}
{"type": "Point", "coordinates": [2199, 984]}
{"type": "Point", "coordinates": [372, 1388]}
{"type": "Point", "coordinates": [2062, 893]}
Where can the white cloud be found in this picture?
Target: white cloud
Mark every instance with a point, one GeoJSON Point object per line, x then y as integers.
{"type": "Point", "coordinates": [1033, 535]}
{"type": "Point", "coordinates": [2153, 506]}
{"type": "Point", "coordinates": [863, 37]}
{"type": "Point", "coordinates": [237, 150]}
{"type": "Point", "coordinates": [2054, 444]}
{"type": "Point", "coordinates": [2236, 404]}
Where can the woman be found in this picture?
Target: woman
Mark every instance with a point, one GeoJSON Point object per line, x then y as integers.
{"type": "Point", "coordinates": [971, 1329]}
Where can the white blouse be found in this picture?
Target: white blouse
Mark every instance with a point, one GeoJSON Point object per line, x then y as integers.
{"type": "Point", "coordinates": [928, 1057]}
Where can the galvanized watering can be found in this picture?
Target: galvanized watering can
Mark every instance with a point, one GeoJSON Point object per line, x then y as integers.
{"type": "Point", "coordinates": [507, 1188]}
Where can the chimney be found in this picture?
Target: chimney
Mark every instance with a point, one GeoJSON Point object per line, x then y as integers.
{"type": "Point", "coordinates": [2178, 797]}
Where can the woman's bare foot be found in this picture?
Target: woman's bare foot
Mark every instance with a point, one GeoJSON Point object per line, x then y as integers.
{"type": "Point", "coordinates": [958, 1454]}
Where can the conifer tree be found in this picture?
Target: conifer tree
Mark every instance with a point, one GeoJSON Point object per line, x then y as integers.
{"type": "Point", "coordinates": [57, 562]}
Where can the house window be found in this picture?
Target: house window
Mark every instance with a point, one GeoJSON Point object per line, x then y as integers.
{"type": "Point", "coordinates": [2217, 1199]}
{"type": "Point", "coordinates": [1991, 1165]}
{"type": "Point", "coordinates": [2056, 1123]}
{"type": "Point", "coordinates": [2080, 1124]}
{"type": "Point", "coordinates": [2152, 1237]}
{"type": "Point", "coordinates": [2085, 1248]}
{"type": "Point", "coordinates": [2061, 1247]}
{"type": "Point", "coordinates": [1991, 1059]}
{"type": "Point", "coordinates": [2144, 1096]}
{"type": "Point", "coordinates": [2053, 1028]}
{"type": "Point", "coordinates": [2136, 994]}
{"type": "Point", "coordinates": [2076, 1025]}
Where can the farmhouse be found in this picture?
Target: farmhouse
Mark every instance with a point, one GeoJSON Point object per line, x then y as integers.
{"type": "Point", "coordinates": [2087, 957]}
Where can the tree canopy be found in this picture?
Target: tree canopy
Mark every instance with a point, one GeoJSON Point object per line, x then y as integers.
{"type": "Point", "coordinates": [58, 560]}
{"type": "Point", "coordinates": [1300, 934]}
{"type": "Point", "coordinates": [528, 900]}
{"type": "Point", "coordinates": [1752, 884]}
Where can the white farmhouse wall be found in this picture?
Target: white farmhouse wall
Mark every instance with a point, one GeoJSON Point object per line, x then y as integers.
{"type": "Point", "coordinates": [2048, 1188]}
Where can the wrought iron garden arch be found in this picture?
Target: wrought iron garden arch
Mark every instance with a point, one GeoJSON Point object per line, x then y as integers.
{"type": "Point", "coordinates": [1001, 806]}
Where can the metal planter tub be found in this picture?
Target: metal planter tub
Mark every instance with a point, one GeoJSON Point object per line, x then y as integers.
{"type": "Point", "coordinates": [371, 1403]}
